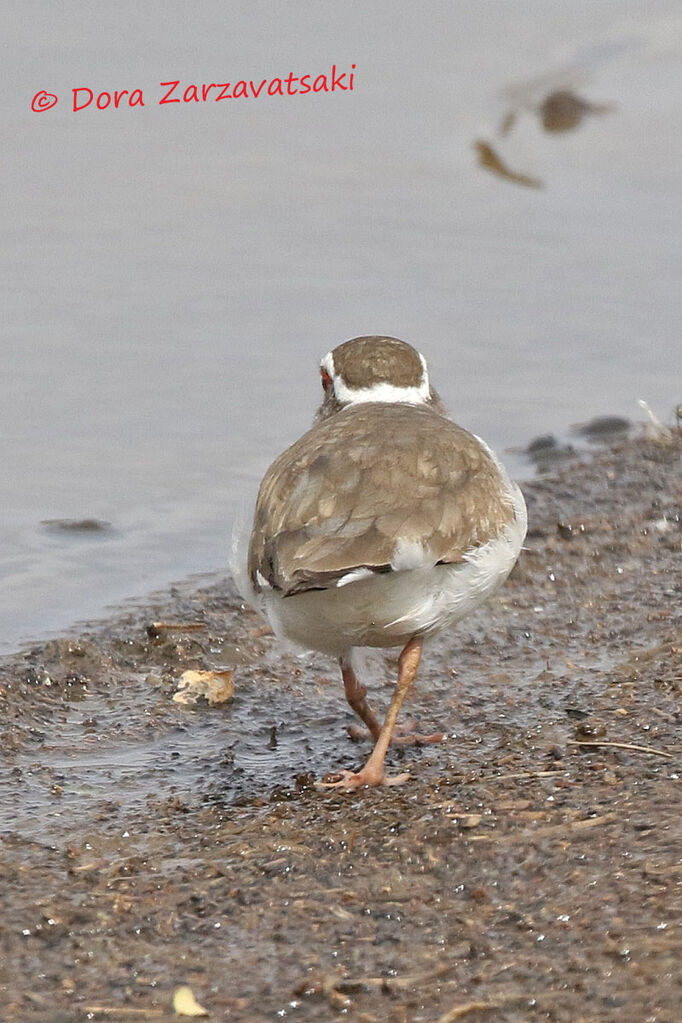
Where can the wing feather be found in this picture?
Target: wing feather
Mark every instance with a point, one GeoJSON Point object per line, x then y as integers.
{"type": "Point", "coordinates": [341, 498]}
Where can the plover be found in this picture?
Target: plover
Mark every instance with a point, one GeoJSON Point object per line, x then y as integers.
{"type": "Point", "coordinates": [382, 525]}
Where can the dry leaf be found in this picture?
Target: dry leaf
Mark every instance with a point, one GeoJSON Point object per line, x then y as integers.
{"type": "Point", "coordinates": [184, 1002]}
{"type": "Point", "coordinates": [213, 686]}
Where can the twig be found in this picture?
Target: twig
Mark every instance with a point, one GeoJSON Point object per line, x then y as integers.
{"type": "Point", "coordinates": [622, 745]}
{"type": "Point", "coordinates": [497, 777]}
{"type": "Point", "coordinates": [386, 983]}
{"type": "Point", "coordinates": [550, 829]}
{"type": "Point", "coordinates": [155, 628]}
{"type": "Point", "coordinates": [657, 429]}
{"type": "Point", "coordinates": [592, 822]}
{"type": "Point", "coordinates": [523, 774]}
{"type": "Point", "coordinates": [119, 1010]}
{"type": "Point", "coordinates": [458, 1011]}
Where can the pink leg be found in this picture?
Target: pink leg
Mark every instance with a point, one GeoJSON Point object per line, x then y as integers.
{"type": "Point", "coordinates": [403, 735]}
{"type": "Point", "coordinates": [374, 772]}
{"type": "Point", "coordinates": [356, 696]}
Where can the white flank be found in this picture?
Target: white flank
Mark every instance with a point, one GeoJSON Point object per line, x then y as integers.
{"type": "Point", "coordinates": [385, 609]}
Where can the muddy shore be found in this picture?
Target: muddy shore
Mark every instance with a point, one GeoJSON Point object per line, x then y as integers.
{"type": "Point", "coordinates": [530, 870]}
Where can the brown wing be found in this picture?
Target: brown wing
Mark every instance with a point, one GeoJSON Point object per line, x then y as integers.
{"type": "Point", "coordinates": [343, 494]}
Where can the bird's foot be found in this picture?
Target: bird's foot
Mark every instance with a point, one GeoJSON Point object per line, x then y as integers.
{"type": "Point", "coordinates": [403, 735]}
{"type": "Point", "coordinates": [349, 781]}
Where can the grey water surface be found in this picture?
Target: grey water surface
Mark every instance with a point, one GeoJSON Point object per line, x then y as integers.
{"type": "Point", "coordinates": [172, 273]}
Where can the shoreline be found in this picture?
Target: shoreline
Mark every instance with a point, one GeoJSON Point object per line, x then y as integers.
{"type": "Point", "coordinates": [529, 865]}
{"type": "Point", "coordinates": [95, 599]}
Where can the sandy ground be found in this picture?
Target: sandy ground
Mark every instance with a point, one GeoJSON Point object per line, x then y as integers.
{"type": "Point", "coordinates": [530, 869]}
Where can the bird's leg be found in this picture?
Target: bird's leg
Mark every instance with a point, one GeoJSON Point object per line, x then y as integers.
{"type": "Point", "coordinates": [356, 696]}
{"type": "Point", "coordinates": [405, 735]}
{"type": "Point", "coordinates": [408, 663]}
{"type": "Point", "coordinates": [374, 772]}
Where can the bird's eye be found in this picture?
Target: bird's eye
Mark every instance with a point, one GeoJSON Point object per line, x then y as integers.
{"type": "Point", "coordinates": [326, 379]}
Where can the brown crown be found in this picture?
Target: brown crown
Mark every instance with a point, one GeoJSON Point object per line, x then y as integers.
{"type": "Point", "coordinates": [365, 361]}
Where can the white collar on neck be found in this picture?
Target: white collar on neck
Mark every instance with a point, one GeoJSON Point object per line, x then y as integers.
{"type": "Point", "coordinates": [381, 392]}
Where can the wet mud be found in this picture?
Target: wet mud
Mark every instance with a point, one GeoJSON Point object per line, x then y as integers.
{"type": "Point", "coordinates": [530, 869]}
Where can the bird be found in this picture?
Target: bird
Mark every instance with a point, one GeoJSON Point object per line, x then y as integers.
{"type": "Point", "coordinates": [383, 525]}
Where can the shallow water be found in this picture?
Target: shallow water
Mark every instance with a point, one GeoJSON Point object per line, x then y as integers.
{"type": "Point", "coordinates": [174, 273]}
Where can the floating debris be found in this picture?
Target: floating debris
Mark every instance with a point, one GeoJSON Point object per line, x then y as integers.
{"type": "Point", "coordinates": [507, 122]}
{"type": "Point", "coordinates": [489, 160]}
{"type": "Point", "coordinates": [554, 99]}
{"type": "Point", "coordinates": [563, 110]}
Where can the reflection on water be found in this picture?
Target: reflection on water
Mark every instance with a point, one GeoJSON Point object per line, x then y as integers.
{"type": "Point", "coordinates": [174, 274]}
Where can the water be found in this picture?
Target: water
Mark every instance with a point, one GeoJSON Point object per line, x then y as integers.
{"type": "Point", "coordinates": [173, 273]}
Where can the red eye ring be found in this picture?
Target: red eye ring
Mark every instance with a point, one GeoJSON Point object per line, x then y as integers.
{"type": "Point", "coordinates": [326, 379]}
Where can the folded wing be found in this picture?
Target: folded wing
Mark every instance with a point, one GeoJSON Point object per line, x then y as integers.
{"type": "Point", "coordinates": [377, 480]}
